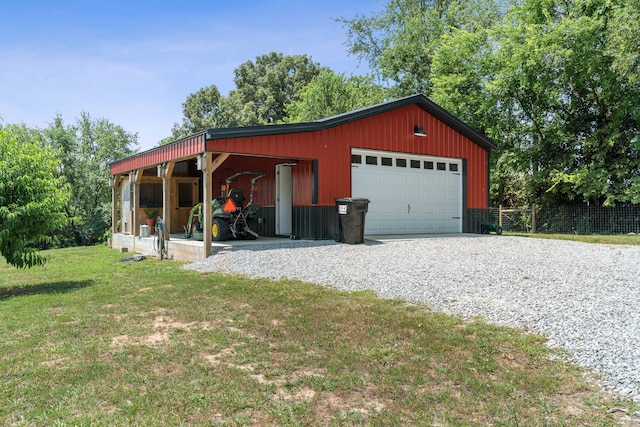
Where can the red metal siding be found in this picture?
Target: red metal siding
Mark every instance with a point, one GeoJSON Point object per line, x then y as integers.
{"type": "Point", "coordinates": [302, 175]}
{"type": "Point", "coordinates": [188, 147]}
{"type": "Point", "coordinates": [265, 195]}
{"type": "Point", "coordinates": [390, 131]}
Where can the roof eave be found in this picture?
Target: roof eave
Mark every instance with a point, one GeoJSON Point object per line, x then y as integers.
{"type": "Point", "coordinates": [341, 119]}
{"type": "Point", "coordinates": [249, 131]}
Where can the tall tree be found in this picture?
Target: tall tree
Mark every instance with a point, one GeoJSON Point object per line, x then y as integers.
{"type": "Point", "coordinates": [32, 196]}
{"type": "Point", "coordinates": [263, 90]}
{"type": "Point", "coordinates": [400, 41]}
{"type": "Point", "coordinates": [577, 119]}
{"type": "Point", "coordinates": [86, 150]}
{"type": "Point", "coordinates": [625, 38]}
{"type": "Point", "coordinates": [266, 86]}
{"type": "Point", "coordinates": [464, 67]}
{"type": "Point", "coordinates": [201, 110]}
{"type": "Point", "coordinates": [329, 94]}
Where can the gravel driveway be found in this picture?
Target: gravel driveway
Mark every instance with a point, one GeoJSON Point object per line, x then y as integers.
{"type": "Point", "coordinates": [584, 297]}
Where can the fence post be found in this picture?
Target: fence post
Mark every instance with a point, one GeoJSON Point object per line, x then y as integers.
{"type": "Point", "coordinates": [500, 215]}
{"type": "Point", "coordinates": [533, 218]}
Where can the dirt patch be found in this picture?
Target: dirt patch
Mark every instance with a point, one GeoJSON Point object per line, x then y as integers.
{"type": "Point", "coordinates": [305, 394]}
{"type": "Point", "coordinates": [364, 402]}
{"type": "Point", "coordinates": [156, 338]}
{"type": "Point", "coordinates": [62, 362]}
{"type": "Point", "coordinates": [163, 326]}
{"type": "Point", "coordinates": [123, 340]}
{"type": "Point", "coordinates": [220, 357]}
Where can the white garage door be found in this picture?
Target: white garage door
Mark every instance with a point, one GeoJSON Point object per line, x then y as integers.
{"type": "Point", "coordinates": [409, 194]}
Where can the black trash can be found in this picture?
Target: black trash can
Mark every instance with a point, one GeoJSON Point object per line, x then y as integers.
{"type": "Point", "coordinates": [352, 214]}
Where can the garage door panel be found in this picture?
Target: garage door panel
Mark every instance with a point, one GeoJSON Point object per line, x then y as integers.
{"type": "Point", "coordinates": [386, 226]}
{"type": "Point", "coordinates": [429, 225]}
{"type": "Point", "coordinates": [383, 207]}
{"type": "Point", "coordinates": [400, 179]}
{"type": "Point", "coordinates": [416, 225]}
{"type": "Point", "coordinates": [421, 208]}
{"type": "Point", "coordinates": [408, 199]}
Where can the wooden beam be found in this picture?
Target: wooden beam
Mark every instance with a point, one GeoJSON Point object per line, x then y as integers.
{"type": "Point", "coordinates": [219, 160]}
{"type": "Point", "coordinates": [165, 171]}
{"type": "Point", "coordinates": [209, 165]}
{"type": "Point", "coordinates": [114, 181]}
{"type": "Point", "coordinates": [135, 178]}
{"type": "Point", "coordinates": [207, 187]}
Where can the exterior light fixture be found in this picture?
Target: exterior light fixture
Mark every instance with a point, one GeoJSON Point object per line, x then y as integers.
{"type": "Point", "coordinates": [419, 131]}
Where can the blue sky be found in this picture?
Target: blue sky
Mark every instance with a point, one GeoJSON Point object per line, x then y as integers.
{"type": "Point", "coordinates": [135, 62]}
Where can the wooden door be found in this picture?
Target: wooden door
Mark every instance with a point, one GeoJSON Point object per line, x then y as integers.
{"type": "Point", "coordinates": [186, 196]}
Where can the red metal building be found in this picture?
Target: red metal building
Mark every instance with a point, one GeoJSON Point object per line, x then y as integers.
{"type": "Point", "coordinates": [424, 171]}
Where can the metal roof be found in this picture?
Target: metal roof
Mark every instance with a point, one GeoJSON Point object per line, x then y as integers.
{"type": "Point", "coordinates": [341, 119]}
{"type": "Point", "coordinates": [196, 143]}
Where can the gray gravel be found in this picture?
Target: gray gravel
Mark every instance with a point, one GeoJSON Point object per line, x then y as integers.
{"type": "Point", "coordinates": [584, 297]}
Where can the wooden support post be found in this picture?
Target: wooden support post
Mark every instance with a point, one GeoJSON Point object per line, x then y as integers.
{"type": "Point", "coordinates": [134, 178]}
{"type": "Point", "coordinates": [206, 166]}
{"type": "Point", "coordinates": [500, 215]}
{"type": "Point", "coordinates": [165, 171]}
{"type": "Point", "coordinates": [114, 182]}
{"type": "Point", "coordinates": [533, 218]}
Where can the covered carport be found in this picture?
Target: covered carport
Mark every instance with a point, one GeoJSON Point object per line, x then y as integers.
{"type": "Point", "coordinates": [156, 180]}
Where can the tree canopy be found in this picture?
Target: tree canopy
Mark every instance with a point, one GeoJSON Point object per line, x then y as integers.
{"type": "Point", "coordinates": [264, 88]}
{"type": "Point", "coordinates": [555, 83]}
{"type": "Point", "coordinates": [329, 94]}
{"type": "Point", "coordinates": [85, 151]}
{"type": "Point", "coordinates": [400, 41]}
{"type": "Point", "coordinates": [32, 195]}
{"type": "Point", "coordinates": [201, 110]}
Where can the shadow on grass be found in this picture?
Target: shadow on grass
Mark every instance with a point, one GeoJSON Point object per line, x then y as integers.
{"type": "Point", "coordinates": [43, 288]}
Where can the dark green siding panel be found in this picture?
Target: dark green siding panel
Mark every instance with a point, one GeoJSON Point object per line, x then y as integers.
{"type": "Point", "coordinates": [315, 222]}
{"type": "Point", "coordinates": [473, 218]}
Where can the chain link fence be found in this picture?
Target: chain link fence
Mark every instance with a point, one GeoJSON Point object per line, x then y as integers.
{"type": "Point", "coordinates": [589, 219]}
{"type": "Point", "coordinates": [575, 219]}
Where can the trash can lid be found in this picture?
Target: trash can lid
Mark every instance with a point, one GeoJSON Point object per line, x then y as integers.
{"type": "Point", "coordinates": [351, 199]}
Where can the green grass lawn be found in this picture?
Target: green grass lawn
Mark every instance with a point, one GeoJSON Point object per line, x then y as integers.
{"type": "Point", "coordinates": [88, 340]}
{"type": "Point", "coordinates": [613, 239]}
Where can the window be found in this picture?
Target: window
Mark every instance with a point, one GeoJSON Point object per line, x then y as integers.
{"type": "Point", "coordinates": [150, 172]}
{"type": "Point", "coordinates": [442, 166]}
{"type": "Point", "coordinates": [185, 194]}
{"type": "Point", "coordinates": [428, 165]}
{"type": "Point", "coordinates": [415, 164]}
{"type": "Point", "coordinates": [151, 195]}
{"type": "Point", "coordinates": [181, 168]}
{"type": "Point", "coordinates": [356, 159]}
{"type": "Point", "coordinates": [401, 163]}
{"type": "Point", "coordinates": [371, 160]}
{"type": "Point", "coordinates": [453, 167]}
{"type": "Point", "coordinates": [386, 161]}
